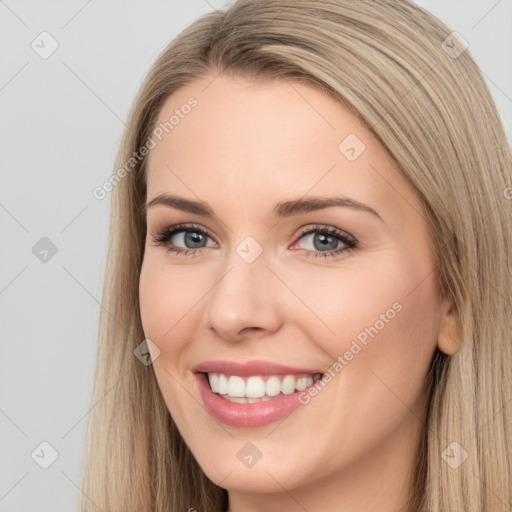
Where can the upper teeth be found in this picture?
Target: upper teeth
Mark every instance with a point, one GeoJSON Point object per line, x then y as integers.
{"type": "Point", "coordinates": [259, 386]}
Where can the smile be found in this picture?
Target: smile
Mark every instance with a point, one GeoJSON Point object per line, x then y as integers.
{"type": "Point", "coordinates": [253, 393]}
{"type": "Point", "coordinates": [258, 388]}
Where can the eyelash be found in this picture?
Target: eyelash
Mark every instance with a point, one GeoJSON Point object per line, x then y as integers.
{"type": "Point", "coordinates": [164, 236]}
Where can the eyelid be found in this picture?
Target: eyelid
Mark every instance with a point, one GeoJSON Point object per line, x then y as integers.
{"type": "Point", "coordinates": [324, 228]}
{"type": "Point", "coordinates": [169, 230]}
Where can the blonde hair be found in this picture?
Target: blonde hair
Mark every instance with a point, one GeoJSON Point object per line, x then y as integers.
{"type": "Point", "coordinates": [432, 111]}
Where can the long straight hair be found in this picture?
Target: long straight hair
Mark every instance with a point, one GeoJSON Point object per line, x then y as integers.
{"type": "Point", "coordinates": [394, 66]}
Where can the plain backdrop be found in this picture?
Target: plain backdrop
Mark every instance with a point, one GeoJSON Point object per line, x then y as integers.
{"type": "Point", "coordinates": [61, 122]}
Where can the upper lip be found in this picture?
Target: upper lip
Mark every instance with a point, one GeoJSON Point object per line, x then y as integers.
{"type": "Point", "coordinates": [250, 368]}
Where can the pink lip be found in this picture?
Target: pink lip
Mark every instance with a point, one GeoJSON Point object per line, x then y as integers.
{"type": "Point", "coordinates": [250, 368]}
{"type": "Point", "coordinates": [245, 415]}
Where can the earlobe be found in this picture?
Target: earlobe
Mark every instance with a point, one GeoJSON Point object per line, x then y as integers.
{"type": "Point", "coordinates": [449, 338]}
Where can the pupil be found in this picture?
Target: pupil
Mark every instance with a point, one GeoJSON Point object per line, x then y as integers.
{"type": "Point", "coordinates": [325, 238]}
{"type": "Point", "coordinates": [193, 238]}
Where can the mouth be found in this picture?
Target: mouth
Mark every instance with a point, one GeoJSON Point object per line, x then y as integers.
{"type": "Point", "coordinates": [258, 388]}
{"type": "Point", "coordinates": [253, 393]}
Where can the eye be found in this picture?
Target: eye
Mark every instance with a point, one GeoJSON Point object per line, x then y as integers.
{"type": "Point", "coordinates": [191, 238]}
{"type": "Point", "coordinates": [326, 241]}
{"type": "Point", "coordinates": [320, 240]}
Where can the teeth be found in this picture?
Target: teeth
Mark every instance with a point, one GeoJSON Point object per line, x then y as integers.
{"type": "Point", "coordinates": [288, 385]}
{"type": "Point", "coordinates": [258, 388]}
{"type": "Point", "coordinates": [302, 384]}
{"type": "Point", "coordinates": [236, 386]}
{"type": "Point", "coordinates": [273, 386]}
{"type": "Point", "coordinates": [222, 385]}
{"type": "Point", "coordinates": [255, 388]}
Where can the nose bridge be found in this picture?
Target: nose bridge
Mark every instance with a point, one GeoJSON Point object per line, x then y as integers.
{"type": "Point", "coordinates": [244, 295]}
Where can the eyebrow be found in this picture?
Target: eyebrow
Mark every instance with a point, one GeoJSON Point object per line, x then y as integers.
{"type": "Point", "coordinates": [280, 210]}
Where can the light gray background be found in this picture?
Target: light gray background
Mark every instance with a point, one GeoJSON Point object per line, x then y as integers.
{"type": "Point", "coordinates": [62, 119]}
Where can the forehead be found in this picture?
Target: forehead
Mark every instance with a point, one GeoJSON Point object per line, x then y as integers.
{"type": "Point", "coordinates": [266, 139]}
{"type": "Point", "coordinates": [265, 118]}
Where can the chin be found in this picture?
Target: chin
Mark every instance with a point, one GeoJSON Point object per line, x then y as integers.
{"type": "Point", "coordinates": [259, 479]}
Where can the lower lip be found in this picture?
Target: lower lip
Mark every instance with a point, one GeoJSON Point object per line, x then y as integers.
{"type": "Point", "coordinates": [246, 415]}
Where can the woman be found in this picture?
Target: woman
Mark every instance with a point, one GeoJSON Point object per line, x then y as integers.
{"type": "Point", "coordinates": [374, 377]}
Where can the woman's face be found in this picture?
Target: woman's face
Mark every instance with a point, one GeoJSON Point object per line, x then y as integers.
{"type": "Point", "coordinates": [269, 272]}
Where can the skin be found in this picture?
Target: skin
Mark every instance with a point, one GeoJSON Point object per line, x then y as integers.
{"type": "Point", "coordinates": [245, 147]}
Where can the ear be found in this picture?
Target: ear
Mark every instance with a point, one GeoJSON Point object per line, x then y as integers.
{"type": "Point", "coordinates": [449, 338]}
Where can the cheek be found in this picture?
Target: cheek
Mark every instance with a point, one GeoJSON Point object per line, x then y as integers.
{"type": "Point", "coordinates": [167, 298]}
{"type": "Point", "coordinates": [384, 338]}
{"type": "Point", "coordinates": [377, 324]}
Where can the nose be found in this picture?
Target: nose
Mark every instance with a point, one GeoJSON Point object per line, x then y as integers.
{"type": "Point", "coordinates": [244, 301]}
